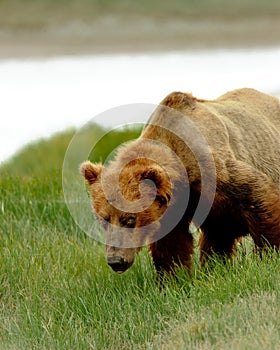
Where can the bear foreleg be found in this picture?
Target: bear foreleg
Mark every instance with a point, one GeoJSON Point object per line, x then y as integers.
{"type": "Point", "coordinates": [173, 250]}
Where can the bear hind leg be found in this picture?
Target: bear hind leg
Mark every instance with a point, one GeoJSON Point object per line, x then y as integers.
{"type": "Point", "coordinates": [259, 200]}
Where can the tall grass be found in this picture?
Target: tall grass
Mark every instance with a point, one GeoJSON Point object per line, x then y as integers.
{"type": "Point", "coordinates": [57, 292]}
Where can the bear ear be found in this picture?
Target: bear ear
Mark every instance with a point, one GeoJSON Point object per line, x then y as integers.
{"type": "Point", "coordinates": [90, 171]}
{"type": "Point", "coordinates": [153, 173]}
{"type": "Point", "coordinates": [156, 174]}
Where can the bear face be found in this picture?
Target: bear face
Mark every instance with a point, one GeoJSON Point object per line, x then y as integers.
{"type": "Point", "coordinates": [128, 206]}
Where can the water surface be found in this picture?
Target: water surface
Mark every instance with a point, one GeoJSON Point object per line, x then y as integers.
{"type": "Point", "coordinates": [39, 97]}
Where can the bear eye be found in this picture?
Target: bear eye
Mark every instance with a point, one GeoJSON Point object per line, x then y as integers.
{"type": "Point", "coordinates": [131, 221]}
{"type": "Point", "coordinates": [104, 221]}
{"type": "Point", "coordinates": [128, 221]}
{"type": "Point", "coordinates": [162, 200]}
{"type": "Point", "coordinates": [107, 218]}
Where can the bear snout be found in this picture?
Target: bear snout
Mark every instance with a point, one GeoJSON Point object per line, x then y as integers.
{"type": "Point", "coordinates": [117, 263]}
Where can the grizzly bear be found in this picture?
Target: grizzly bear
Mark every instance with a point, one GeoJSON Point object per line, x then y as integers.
{"type": "Point", "coordinates": [215, 164]}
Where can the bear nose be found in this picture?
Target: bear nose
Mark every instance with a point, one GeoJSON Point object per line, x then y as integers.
{"type": "Point", "coordinates": [117, 263]}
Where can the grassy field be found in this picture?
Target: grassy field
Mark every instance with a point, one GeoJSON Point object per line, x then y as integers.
{"type": "Point", "coordinates": [57, 291]}
{"type": "Point", "coordinates": [45, 28]}
{"type": "Point", "coordinates": [33, 14]}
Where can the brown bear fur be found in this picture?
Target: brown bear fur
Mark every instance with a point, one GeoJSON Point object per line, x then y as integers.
{"type": "Point", "coordinates": [242, 130]}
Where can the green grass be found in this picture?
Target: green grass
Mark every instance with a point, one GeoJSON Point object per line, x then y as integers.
{"type": "Point", "coordinates": [46, 156]}
{"type": "Point", "coordinates": [57, 292]}
{"type": "Point", "coordinates": [34, 14]}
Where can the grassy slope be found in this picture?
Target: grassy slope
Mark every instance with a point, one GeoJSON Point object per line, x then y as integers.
{"type": "Point", "coordinates": [58, 293]}
{"type": "Point", "coordinates": [68, 27]}
{"type": "Point", "coordinates": [34, 14]}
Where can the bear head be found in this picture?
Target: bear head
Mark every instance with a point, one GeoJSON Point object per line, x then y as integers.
{"type": "Point", "coordinates": [130, 197]}
{"type": "Point", "coordinates": [130, 213]}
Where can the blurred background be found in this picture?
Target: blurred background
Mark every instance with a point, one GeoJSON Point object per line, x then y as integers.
{"type": "Point", "coordinates": [62, 62]}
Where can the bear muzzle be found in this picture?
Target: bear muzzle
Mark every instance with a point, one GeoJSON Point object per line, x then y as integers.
{"type": "Point", "coordinates": [117, 263]}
